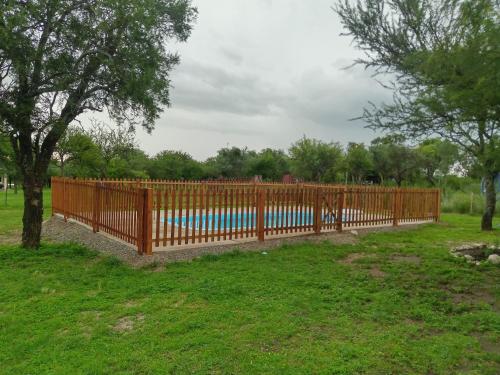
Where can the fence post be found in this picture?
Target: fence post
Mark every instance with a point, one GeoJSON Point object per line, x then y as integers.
{"type": "Point", "coordinates": [340, 210]}
{"type": "Point", "coordinates": [260, 213]}
{"type": "Point", "coordinates": [148, 221]}
{"type": "Point", "coordinates": [438, 205]}
{"type": "Point", "coordinates": [64, 200]}
{"type": "Point", "coordinates": [396, 207]}
{"type": "Point", "coordinates": [140, 220]}
{"type": "Point", "coordinates": [96, 212]}
{"type": "Point", "coordinates": [51, 195]}
{"type": "Point", "coordinates": [317, 211]}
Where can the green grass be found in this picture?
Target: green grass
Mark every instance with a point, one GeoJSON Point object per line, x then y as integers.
{"type": "Point", "coordinates": [294, 310]}
{"type": "Point", "coordinates": [11, 210]}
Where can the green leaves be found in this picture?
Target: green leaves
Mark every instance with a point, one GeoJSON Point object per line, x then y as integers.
{"type": "Point", "coordinates": [444, 60]}
{"type": "Point", "coordinates": [314, 160]}
{"type": "Point", "coordinates": [174, 165]}
{"type": "Point", "coordinates": [94, 55]}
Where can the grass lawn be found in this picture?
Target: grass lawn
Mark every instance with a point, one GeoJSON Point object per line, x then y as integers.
{"type": "Point", "coordinates": [11, 214]}
{"type": "Point", "coordinates": [401, 305]}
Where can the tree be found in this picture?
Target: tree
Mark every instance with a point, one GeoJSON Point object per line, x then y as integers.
{"type": "Point", "coordinates": [175, 165]}
{"type": "Point", "coordinates": [75, 147]}
{"type": "Point", "coordinates": [358, 162]}
{"type": "Point", "coordinates": [445, 61]}
{"type": "Point", "coordinates": [62, 58]}
{"type": "Point", "coordinates": [113, 143]}
{"type": "Point", "coordinates": [314, 160]}
{"type": "Point", "coordinates": [230, 162]}
{"type": "Point", "coordinates": [392, 159]}
{"type": "Point", "coordinates": [270, 164]}
{"type": "Point", "coordinates": [132, 164]}
{"type": "Point", "coordinates": [436, 158]}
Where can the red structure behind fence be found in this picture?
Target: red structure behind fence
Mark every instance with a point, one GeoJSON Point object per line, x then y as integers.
{"type": "Point", "coordinates": [160, 214]}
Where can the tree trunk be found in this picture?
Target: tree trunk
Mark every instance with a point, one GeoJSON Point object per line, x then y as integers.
{"type": "Point", "coordinates": [491, 200]}
{"type": "Point", "coordinates": [430, 177]}
{"type": "Point", "coordinates": [33, 212]}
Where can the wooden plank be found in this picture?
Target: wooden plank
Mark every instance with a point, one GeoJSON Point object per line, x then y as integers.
{"type": "Point", "coordinates": [225, 215]}
{"type": "Point", "coordinates": [165, 216]}
{"type": "Point", "coordinates": [193, 214]}
{"type": "Point", "coordinates": [231, 217]}
{"type": "Point", "coordinates": [260, 215]}
{"type": "Point", "coordinates": [172, 225]}
{"type": "Point", "coordinates": [287, 208]}
{"type": "Point", "coordinates": [317, 211]}
{"type": "Point", "coordinates": [148, 222]}
{"type": "Point", "coordinates": [267, 203]}
{"type": "Point", "coordinates": [179, 216]}
{"type": "Point", "coordinates": [340, 210]}
{"type": "Point", "coordinates": [282, 214]}
{"type": "Point", "coordinates": [201, 192]}
{"type": "Point", "coordinates": [213, 213]}
{"type": "Point", "coordinates": [396, 207]}
{"type": "Point", "coordinates": [247, 226]}
{"type": "Point", "coordinates": [237, 213]}
{"type": "Point", "coordinates": [158, 204]}
{"type": "Point", "coordinates": [186, 230]}
{"type": "Point", "coordinates": [140, 221]}
{"type": "Point", "coordinates": [219, 217]}
{"type": "Point", "coordinates": [207, 209]}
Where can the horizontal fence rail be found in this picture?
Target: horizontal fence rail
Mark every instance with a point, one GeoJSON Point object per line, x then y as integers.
{"type": "Point", "coordinates": [120, 211]}
{"type": "Point", "coordinates": [160, 214]}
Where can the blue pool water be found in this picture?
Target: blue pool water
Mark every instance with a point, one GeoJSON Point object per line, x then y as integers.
{"type": "Point", "coordinates": [241, 220]}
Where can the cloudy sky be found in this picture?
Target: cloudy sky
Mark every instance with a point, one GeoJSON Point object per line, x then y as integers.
{"type": "Point", "coordinates": [263, 73]}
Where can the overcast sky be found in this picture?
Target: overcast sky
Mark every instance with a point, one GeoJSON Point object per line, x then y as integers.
{"type": "Point", "coordinates": [263, 73]}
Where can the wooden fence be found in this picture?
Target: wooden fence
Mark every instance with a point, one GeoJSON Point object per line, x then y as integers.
{"type": "Point", "coordinates": [152, 214]}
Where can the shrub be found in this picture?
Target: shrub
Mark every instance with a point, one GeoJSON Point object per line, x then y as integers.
{"type": "Point", "coordinates": [462, 202]}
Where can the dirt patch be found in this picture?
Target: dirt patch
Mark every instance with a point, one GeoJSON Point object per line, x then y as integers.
{"type": "Point", "coordinates": [413, 259]}
{"type": "Point", "coordinates": [130, 304]}
{"type": "Point", "coordinates": [487, 344]}
{"type": "Point", "coordinates": [181, 300]}
{"type": "Point", "coordinates": [271, 347]}
{"type": "Point", "coordinates": [475, 297]}
{"type": "Point", "coordinates": [377, 273]}
{"type": "Point", "coordinates": [353, 257]}
{"type": "Point", "coordinates": [10, 238]}
{"type": "Point", "coordinates": [124, 324]}
{"type": "Point", "coordinates": [127, 323]}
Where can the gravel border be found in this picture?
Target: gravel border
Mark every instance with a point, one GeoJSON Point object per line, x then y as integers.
{"type": "Point", "coordinates": [57, 230]}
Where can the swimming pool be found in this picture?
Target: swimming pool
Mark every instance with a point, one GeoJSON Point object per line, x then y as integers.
{"type": "Point", "coordinates": [243, 220]}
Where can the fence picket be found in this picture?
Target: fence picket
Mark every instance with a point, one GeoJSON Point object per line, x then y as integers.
{"type": "Point", "coordinates": [153, 212]}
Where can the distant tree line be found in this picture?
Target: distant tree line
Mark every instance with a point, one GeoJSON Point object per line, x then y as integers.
{"type": "Point", "coordinates": [112, 152]}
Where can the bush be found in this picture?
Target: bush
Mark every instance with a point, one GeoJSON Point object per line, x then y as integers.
{"type": "Point", "coordinates": [462, 202]}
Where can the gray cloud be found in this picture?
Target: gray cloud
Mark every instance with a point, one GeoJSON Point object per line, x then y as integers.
{"type": "Point", "coordinates": [262, 74]}
{"type": "Point", "coordinates": [210, 88]}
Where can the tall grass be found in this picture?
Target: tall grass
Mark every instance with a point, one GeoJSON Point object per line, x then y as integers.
{"type": "Point", "coordinates": [462, 202]}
